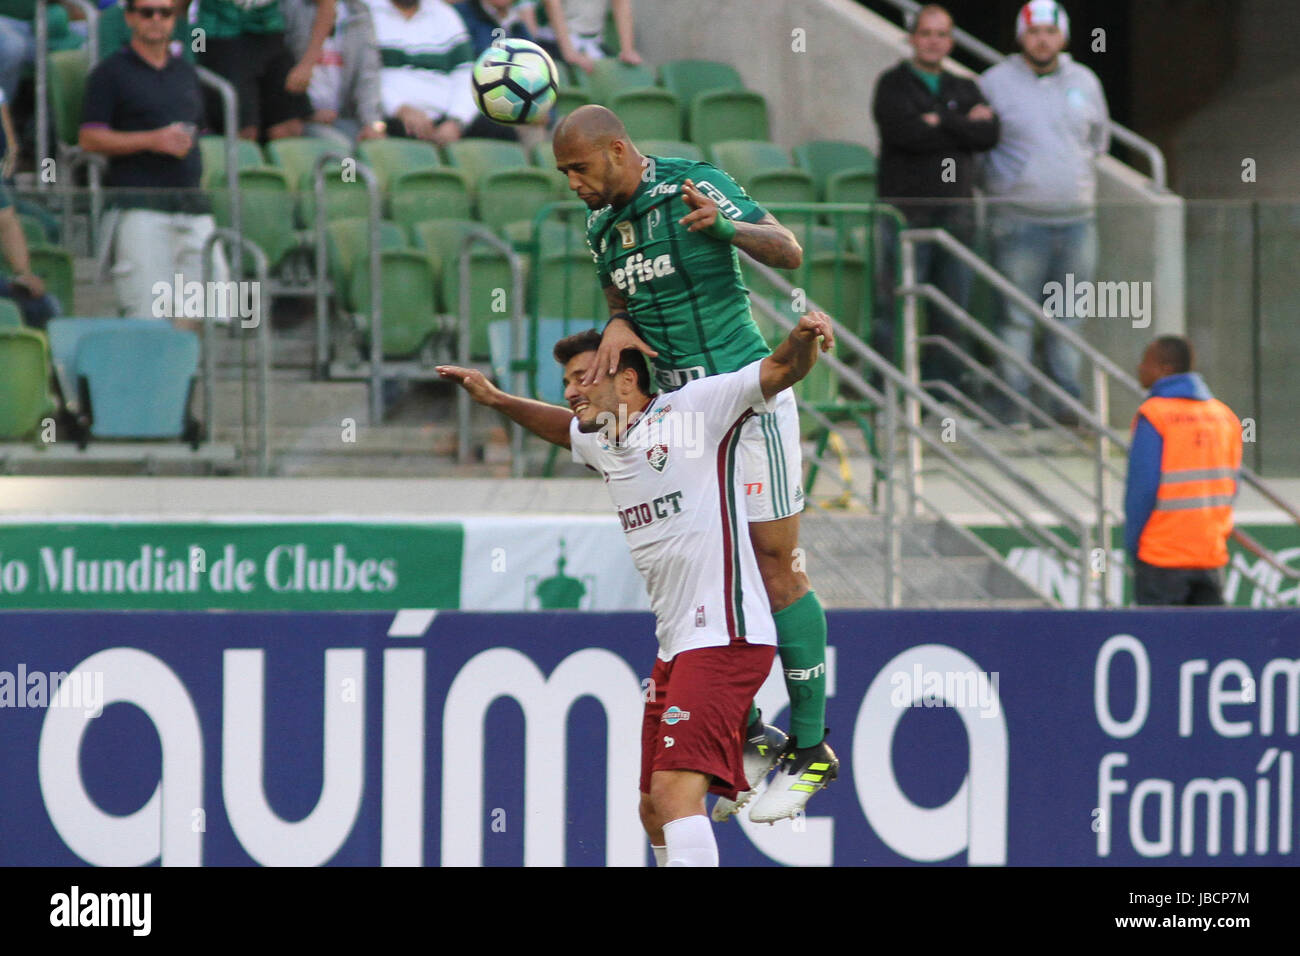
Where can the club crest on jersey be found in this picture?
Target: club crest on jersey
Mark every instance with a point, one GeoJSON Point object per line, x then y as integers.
{"type": "Point", "coordinates": [657, 456]}
{"type": "Point", "coordinates": [673, 714]}
{"type": "Point", "coordinates": [625, 230]}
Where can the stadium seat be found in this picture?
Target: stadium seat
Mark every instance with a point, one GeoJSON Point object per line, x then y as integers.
{"type": "Point", "coordinates": [565, 285]}
{"type": "Point", "coordinates": [440, 240]}
{"type": "Point", "coordinates": [567, 100]}
{"type": "Point", "coordinates": [717, 115]}
{"type": "Point", "coordinates": [67, 87]}
{"type": "Point", "coordinates": [823, 157]}
{"type": "Point", "coordinates": [671, 148]}
{"type": "Point", "coordinates": [24, 382]}
{"type": "Point", "coordinates": [648, 113]}
{"type": "Point", "coordinates": [610, 75]}
{"type": "Point", "coordinates": [687, 78]}
{"type": "Point", "coordinates": [266, 209]}
{"type": "Point", "coordinates": [393, 157]}
{"type": "Point", "coordinates": [65, 333]}
{"type": "Point", "coordinates": [477, 157]}
{"type": "Point", "coordinates": [11, 317]}
{"type": "Point", "coordinates": [547, 381]}
{"type": "Point", "coordinates": [782, 186]}
{"type": "Point", "coordinates": [489, 272]}
{"type": "Point", "coordinates": [296, 155]}
{"type": "Point", "coordinates": [554, 235]}
{"type": "Point", "coordinates": [508, 195]}
{"type": "Point", "coordinates": [343, 198]}
{"type": "Point", "coordinates": [135, 382]}
{"type": "Point", "coordinates": [54, 265]}
{"type": "Point", "coordinates": [851, 185]}
{"type": "Point", "coordinates": [428, 194]}
{"type": "Point", "coordinates": [841, 284]}
{"type": "Point", "coordinates": [212, 152]}
{"type": "Point", "coordinates": [407, 295]}
{"type": "Point", "coordinates": [743, 158]}
{"type": "Point", "coordinates": [817, 239]}
{"type": "Point", "coordinates": [348, 244]}
{"type": "Point", "coordinates": [34, 230]}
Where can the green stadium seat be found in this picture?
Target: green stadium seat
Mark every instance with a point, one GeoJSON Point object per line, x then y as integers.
{"type": "Point", "coordinates": [344, 198]}
{"type": "Point", "coordinates": [11, 317]}
{"type": "Point", "coordinates": [553, 235]}
{"type": "Point", "coordinates": [610, 75]}
{"type": "Point", "coordinates": [266, 209]}
{"type": "Point", "coordinates": [391, 158]}
{"type": "Point", "coordinates": [54, 265]}
{"type": "Point", "coordinates": [648, 113]}
{"type": "Point", "coordinates": [25, 396]}
{"type": "Point", "coordinates": [407, 296]}
{"type": "Point", "coordinates": [489, 273]}
{"type": "Point", "coordinates": [671, 148]}
{"type": "Point", "coordinates": [440, 240]}
{"type": "Point", "coordinates": [296, 155]}
{"type": "Point", "coordinates": [34, 230]}
{"type": "Point", "coordinates": [717, 115]}
{"type": "Point", "coordinates": [742, 158]}
{"type": "Point", "coordinates": [566, 286]}
{"type": "Point", "coordinates": [823, 157]}
{"type": "Point", "coordinates": [567, 100]}
{"type": "Point", "coordinates": [428, 194]}
{"type": "Point", "coordinates": [508, 195]}
{"type": "Point", "coordinates": [477, 157]}
{"type": "Point", "coordinates": [839, 282]}
{"type": "Point", "coordinates": [212, 151]}
{"type": "Point", "coordinates": [782, 186]}
{"type": "Point", "coordinates": [685, 79]}
{"type": "Point", "coordinates": [817, 239]}
{"type": "Point", "coordinates": [348, 243]}
{"type": "Point", "coordinates": [135, 382]}
{"type": "Point", "coordinates": [67, 87]}
{"type": "Point", "coordinates": [852, 185]}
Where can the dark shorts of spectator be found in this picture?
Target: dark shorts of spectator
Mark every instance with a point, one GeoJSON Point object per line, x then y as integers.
{"type": "Point", "coordinates": [256, 64]}
{"type": "Point", "coordinates": [1169, 587]}
{"type": "Point", "coordinates": [37, 310]}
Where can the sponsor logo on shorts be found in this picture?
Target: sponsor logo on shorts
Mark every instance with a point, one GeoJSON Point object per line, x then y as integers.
{"type": "Point", "coordinates": [673, 714]}
{"type": "Point", "coordinates": [657, 456]}
{"type": "Point", "coordinates": [753, 488]}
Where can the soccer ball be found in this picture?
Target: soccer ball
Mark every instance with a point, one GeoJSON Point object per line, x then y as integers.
{"type": "Point", "coordinates": [515, 82]}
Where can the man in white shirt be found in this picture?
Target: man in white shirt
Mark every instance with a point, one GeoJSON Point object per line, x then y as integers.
{"type": "Point", "coordinates": [669, 461]}
{"type": "Point", "coordinates": [427, 60]}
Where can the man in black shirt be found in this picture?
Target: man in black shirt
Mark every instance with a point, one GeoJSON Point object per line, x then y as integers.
{"type": "Point", "coordinates": [143, 109]}
{"type": "Point", "coordinates": [931, 125]}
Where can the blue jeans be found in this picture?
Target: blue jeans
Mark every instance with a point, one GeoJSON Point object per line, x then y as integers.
{"type": "Point", "coordinates": [17, 49]}
{"type": "Point", "coordinates": [37, 311]}
{"type": "Point", "coordinates": [1032, 254]}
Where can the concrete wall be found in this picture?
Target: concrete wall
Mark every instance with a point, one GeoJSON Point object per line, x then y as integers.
{"type": "Point", "coordinates": [817, 61]}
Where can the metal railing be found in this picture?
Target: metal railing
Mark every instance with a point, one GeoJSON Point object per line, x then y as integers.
{"type": "Point", "coordinates": [519, 342]}
{"type": "Point", "coordinates": [1095, 420]}
{"type": "Point", "coordinates": [982, 51]}
{"type": "Point", "coordinates": [261, 323]}
{"type": "Point", "coordinates": [374, 215]}
{"type": "Point", "coordinates": [41, 37]}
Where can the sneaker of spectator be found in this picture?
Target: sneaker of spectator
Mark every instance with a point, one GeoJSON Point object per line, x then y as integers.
{"type": "Point", "coordinates": [428, 59]}
{"type": "Point", "coordinates": [246, 44]}
{"type": "Point", "coordinates": [143, 109]}
{"type": "Point", "coordinates": [344, 85]}
{"type": "Point", "coordinates": [572, 29]}
{"type": "Point", "coordinates": [1041, 182]}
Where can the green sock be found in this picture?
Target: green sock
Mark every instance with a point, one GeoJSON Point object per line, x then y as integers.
{"type": "Point", "coordinates": [753, 715]}
{"type": "Point", "coordinates": [801, 642]}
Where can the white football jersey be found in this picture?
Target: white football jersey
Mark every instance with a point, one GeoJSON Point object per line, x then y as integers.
{"type": "Point", "coordinates": [677, 487]}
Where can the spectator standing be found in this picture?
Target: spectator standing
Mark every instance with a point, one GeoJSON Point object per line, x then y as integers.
{"type": "Point", "coordinates": [344, 84]}
{"type": "Point", "coordinates": [143, 109]}
{"type": "Point", "coordinates": [1182, 479]}
{"type": "Point", "coordinates": [22, 285]}
{"type": "Point", "coordinates": [245, 43]}
{"type": "Point", "coordinates": [932, 123]}
{"type": "Point", "coordinates": [1041, 183]}
{"type": "Point", "coordinates": [573, 29]}
{"type": "Point", "coordinates": [427, 62]}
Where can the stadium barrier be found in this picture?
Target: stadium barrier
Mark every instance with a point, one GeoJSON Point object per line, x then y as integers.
{"type": "Point", "coordinates": [1030, 738]}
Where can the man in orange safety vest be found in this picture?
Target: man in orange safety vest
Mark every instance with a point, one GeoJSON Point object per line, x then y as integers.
{"type": "Point", "coordinates": [1182, 480]}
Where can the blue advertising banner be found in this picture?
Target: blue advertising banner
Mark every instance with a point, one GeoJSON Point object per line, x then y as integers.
{"type": "Point", "coordinates": [421, 738]}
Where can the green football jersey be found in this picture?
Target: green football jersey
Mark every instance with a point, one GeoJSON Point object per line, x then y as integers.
{"type": "Point", "coordinates": [683, 288]}
{"type": "Point", "coordinates": [231, 18]}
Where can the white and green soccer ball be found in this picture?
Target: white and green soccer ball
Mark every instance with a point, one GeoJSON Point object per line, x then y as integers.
{"type": "Point", "coordinates": [515, 81]}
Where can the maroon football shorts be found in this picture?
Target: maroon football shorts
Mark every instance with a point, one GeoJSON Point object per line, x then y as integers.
{"type": "Point", "coordinates": [695, 717]}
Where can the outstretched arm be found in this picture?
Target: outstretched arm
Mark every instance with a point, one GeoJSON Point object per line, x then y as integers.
{"type": "Point", "coordinates": [794, 358]}
{"type": "Point", "coordinates": [550, 422]}
{"type": "Point", "coordinates": [766, 240]}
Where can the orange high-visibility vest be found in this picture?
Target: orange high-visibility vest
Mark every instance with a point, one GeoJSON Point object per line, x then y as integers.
{"type": "Point", "coordinates": [1198, 480]}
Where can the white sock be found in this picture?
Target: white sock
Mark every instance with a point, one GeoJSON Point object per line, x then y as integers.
{"type": "Point", "coordinates": [690, 842]}
{"type": "Point", "coordinates": [661, 855]}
